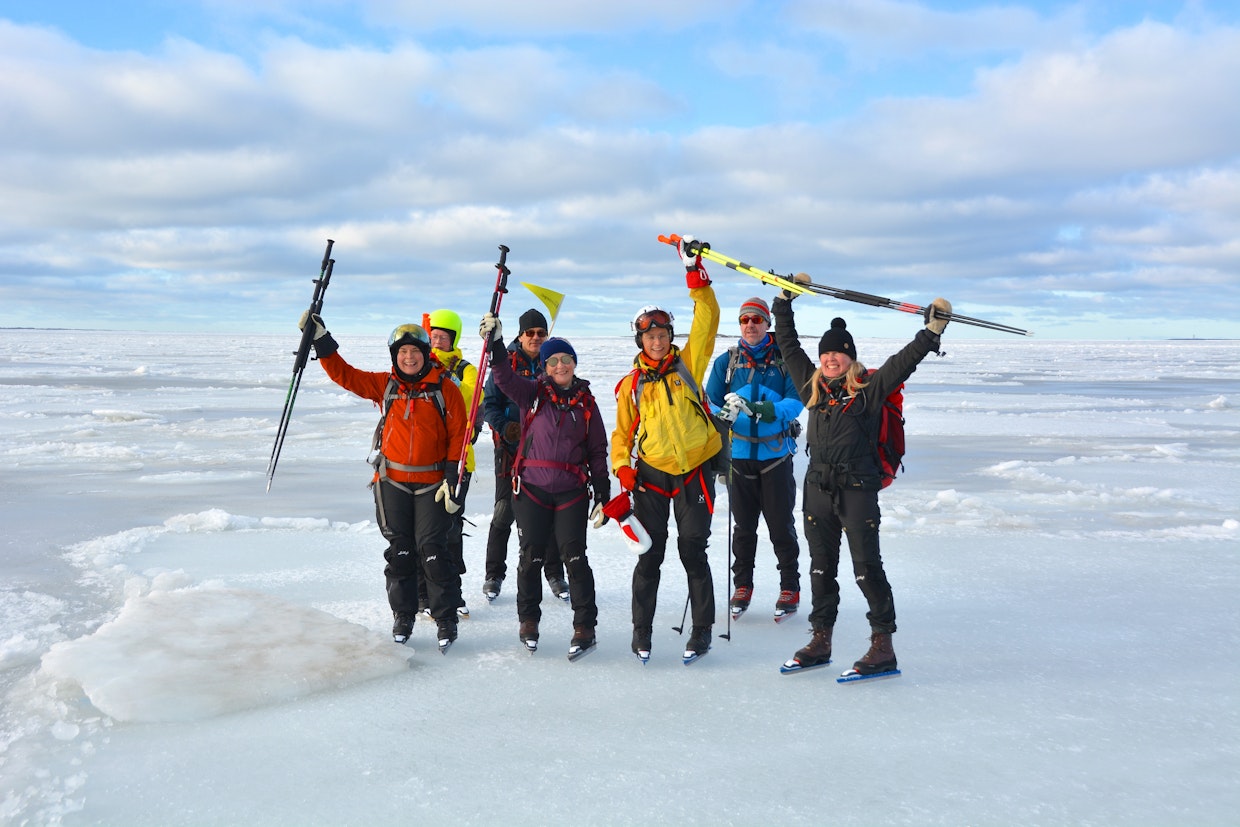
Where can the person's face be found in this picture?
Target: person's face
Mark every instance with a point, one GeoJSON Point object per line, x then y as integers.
{"type": "Point", "coordinates": [560, 368]}
{"type": "Point", "coordinates": [833, 364]}
{"type": "Point", "coordinates": [441, 339]}
{"type": "Point", "coordinates": [532, 339]}
{"type": "Point", "coordinates": [656, 343]}
{"type": "Point", "coordinates": [410, 359]}
{"type": "Point", "coordinates": [753, 328]}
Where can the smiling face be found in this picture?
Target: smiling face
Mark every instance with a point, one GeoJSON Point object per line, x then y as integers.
{"type": "Point", "coordinates": [656, 343]}
{"type": "Point", "coordinates": [753, 329]}
{"type": "Point", "coordinates": [531, 340]}
{"type": "Point", "coordinates": [560, 367]}
{"type": "Point", "coordinates": [410, 359]}
{"type": "Point", "coordinates": [833, 364]}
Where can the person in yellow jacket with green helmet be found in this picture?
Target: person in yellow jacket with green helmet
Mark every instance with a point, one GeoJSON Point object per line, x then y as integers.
{"type": "Point", "coordinates": [661, 449]}
{"type": "Point", "coordinates": [444, 329]}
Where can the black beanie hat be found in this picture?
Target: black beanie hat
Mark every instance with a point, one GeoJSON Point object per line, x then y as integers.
{"type": "Point", "coordinates": [532, 318]}
{"type": "Point", "coordinates": [837, 340]}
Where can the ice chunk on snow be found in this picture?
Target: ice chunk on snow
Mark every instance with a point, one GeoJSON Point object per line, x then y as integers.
{"type": "Point", "coordinates": [194, 653]}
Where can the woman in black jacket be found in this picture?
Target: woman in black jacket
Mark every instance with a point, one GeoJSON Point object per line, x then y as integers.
{"type": "Point", "coordinates": [842, 482]}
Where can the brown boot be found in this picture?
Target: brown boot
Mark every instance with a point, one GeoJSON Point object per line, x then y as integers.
{"type": "Point", "coordinates": [529, 634]}
{"type": "Point", "coordinates": [583, 642]}
{"type": "Point", "coordinates": [818, 651]}
{"type": "Point", "coordinates": [880, 658]}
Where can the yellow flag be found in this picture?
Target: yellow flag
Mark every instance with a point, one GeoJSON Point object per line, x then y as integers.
{"type": "Point", "coordinates": [552, 299]}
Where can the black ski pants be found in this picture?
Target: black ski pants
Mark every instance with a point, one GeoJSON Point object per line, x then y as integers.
{"type": "Point", "coordinates": [455, 541]}
{"type": "Point", "coordinates": [767, 489]}
{"type": "Point", "coordinates": [692, 497]}
{"type": "Point", "coordinates": [828, 516]}
{"type": "Point", "coordinates": [416, 528]}
{"type": "Point", "coordinates": [502, 517]}
{"type": "Point", "coordinates": [542, 520]}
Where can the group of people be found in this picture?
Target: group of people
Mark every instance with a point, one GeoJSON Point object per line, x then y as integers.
{"type": "Point", "coordinates": [678, 434]}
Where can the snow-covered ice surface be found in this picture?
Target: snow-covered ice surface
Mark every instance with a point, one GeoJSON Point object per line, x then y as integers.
{"type": "Point", "coordinates": [178, 646]}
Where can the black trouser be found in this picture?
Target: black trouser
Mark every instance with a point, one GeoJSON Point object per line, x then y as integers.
{"type": "Point", "coordinates": [502, 517]}
{"type": "Point", "coordinates": [765, 488]}
{"type": "Point", "coordinates": [416, 528]}
{"type": "Point", "coordinates": [829, 515]}
{"type": "Point", "coordinates": [693, 496]}
{"type": "Point", "coordinates": [455, 541]}
{"type": "Point", "coordinates": [542, 519]}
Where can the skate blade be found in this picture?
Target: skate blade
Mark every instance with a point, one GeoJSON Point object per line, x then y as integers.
{"type": "Point", "coordinates": [853, 676]}
{"type": "Point", "coordinates": [791, 667]}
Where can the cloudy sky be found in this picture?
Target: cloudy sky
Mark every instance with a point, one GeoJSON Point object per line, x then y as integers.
{"type": "Point", "coordinates": [1072, 168]}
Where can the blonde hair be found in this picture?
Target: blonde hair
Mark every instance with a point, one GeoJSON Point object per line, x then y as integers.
{"type": "Point", "coordinates": [853, 382]}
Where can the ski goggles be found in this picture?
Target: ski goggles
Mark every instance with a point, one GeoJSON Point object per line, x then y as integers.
{"type": "Point", "coordinates": [559, 359]}
{"type": "Point", "coordinates": [653, 318]}
{"type": "Point", "coordinates": [409, 330]}
{"type": "Point", "coordinates": [755, 319]}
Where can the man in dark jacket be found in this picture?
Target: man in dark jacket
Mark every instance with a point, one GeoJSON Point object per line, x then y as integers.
{"type": "Point", "coordinates": [504, 418]}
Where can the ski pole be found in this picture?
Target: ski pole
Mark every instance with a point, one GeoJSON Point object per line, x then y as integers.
{"type": "Point", "coordinates": [302, 355]}
{"type": "Point", "coordinates": [727, 485]}
{"type": "Point", "coordinates": [680, 630]}
{"type": "Point", "coordinates": [497, 297]}
{"type": "Point", "coordinates": [703, 249]}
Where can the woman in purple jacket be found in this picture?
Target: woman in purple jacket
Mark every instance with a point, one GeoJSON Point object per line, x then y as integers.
{"type": "Point", "coordinates": [561, 464]}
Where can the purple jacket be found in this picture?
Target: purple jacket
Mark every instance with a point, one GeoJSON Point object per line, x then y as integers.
{"type": "Point", "coordinates": [568, 436]}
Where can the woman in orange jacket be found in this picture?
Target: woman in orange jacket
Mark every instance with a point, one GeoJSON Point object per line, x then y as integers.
{"type": "Point", "coordinates": [416, 451]}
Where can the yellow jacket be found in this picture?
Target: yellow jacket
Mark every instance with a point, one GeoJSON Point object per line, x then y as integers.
{"type": "Point", "coordinates": [672, 431]}
{"type": "Point", "coordinates": [465, 376]}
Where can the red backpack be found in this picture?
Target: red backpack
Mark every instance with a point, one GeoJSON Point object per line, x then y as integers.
{"type": "Point", "coordinates": [890, 444]}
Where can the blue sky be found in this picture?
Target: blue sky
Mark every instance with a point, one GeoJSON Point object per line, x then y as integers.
{"type": "Point", "coordinates": [1069, 168]}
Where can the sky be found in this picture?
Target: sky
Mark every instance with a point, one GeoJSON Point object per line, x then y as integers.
{"type": "Point", "coordinates": [1068, 168]}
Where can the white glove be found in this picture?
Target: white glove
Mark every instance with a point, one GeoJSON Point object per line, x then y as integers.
{"type": "Point", "coordinates": [597, 517]}
{"type": "Point", "coordinates": [691, 262]}
{"type": "Point", "coordinates": [736, 405]}
{"type": "Point", "coordinates": [319, 329]}
{"type": "Point", "coordinates": [491, 329]}
{"type": "Point", "coordinates": [444, 495]}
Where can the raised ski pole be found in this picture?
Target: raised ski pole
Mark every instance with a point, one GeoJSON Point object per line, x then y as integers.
{"type": "Point", "coordinates": [301, 356]}
{"type": "Point", "coordinates": [703, 249]}
{"type": "Point", "coordinates": [484, 361]}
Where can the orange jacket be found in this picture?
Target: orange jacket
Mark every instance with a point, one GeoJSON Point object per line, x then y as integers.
{"type": "Point", "coordinates": [414, 433]}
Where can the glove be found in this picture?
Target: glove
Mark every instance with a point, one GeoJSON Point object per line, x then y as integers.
{"type": "Point", "coordinates": [444, 495]}
{"type": "Point", "coordinates": [512, 432]}
{"type": "Point", "coordinates": [627, 475]}
{"type": "Point", "coordinates": [726, 412]}
{"type": "Point", "coordinates": [764, 410]}
{"type": "Point", "coordinates": [695, 276]}
{"type": "Point", "coordinates": [737, 405]}
{"type": "Point", "coordinates": [320, 329]}
{"type": "Point", "coordinates": [491, 329]}
{"type": "Point", "coordinates": [936, 316]}
{"type": "Point", "coordinates": [597, 518]}
{"type": "Point", "coordinates": [799, 278]}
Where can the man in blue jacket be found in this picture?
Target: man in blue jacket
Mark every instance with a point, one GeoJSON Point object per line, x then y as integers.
{"type": "Point", "coordinates": [749, 386]}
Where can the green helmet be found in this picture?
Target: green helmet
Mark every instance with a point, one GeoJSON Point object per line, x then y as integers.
{"type": "Point", "coordinates": [449, 321]}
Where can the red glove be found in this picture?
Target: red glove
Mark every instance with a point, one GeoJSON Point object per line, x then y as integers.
{"type": "Point", "coordinates": [627, 475]}
{"type": "Point", "coordinates": [695, 276]}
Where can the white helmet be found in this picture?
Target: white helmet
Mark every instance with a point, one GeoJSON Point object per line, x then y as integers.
{"type": "Point", "coordinates": [651, 316]}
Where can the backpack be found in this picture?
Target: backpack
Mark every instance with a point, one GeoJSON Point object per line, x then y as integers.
{"type": "Point", "coordinates": [390, 393]}
{"type": "Point", "coordinates": [890, 444]}
{"type": "Point", "coordinates": [720, 462]}
{"type": "Point", "coordinates": [582, 400]}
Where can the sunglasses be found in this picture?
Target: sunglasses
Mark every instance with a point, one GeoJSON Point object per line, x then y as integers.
{"type": "Point", "coordinates": [752, 319]}
{"type": "Point", "coordinates": [537, 333]}
{"type": "Point", "coordinates": [559, 359]}
{"type": "Point", "coordinates": [655, 318]}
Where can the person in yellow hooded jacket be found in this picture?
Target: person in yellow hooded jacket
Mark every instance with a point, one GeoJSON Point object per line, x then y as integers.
{"type": "Point", "coordinates": [664, 437]}
{"type": "Point", "coordinates": [444, 328]}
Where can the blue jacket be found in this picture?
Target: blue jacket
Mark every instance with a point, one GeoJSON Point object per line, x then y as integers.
{"type": "Point", "coordinates": [758, 376]}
